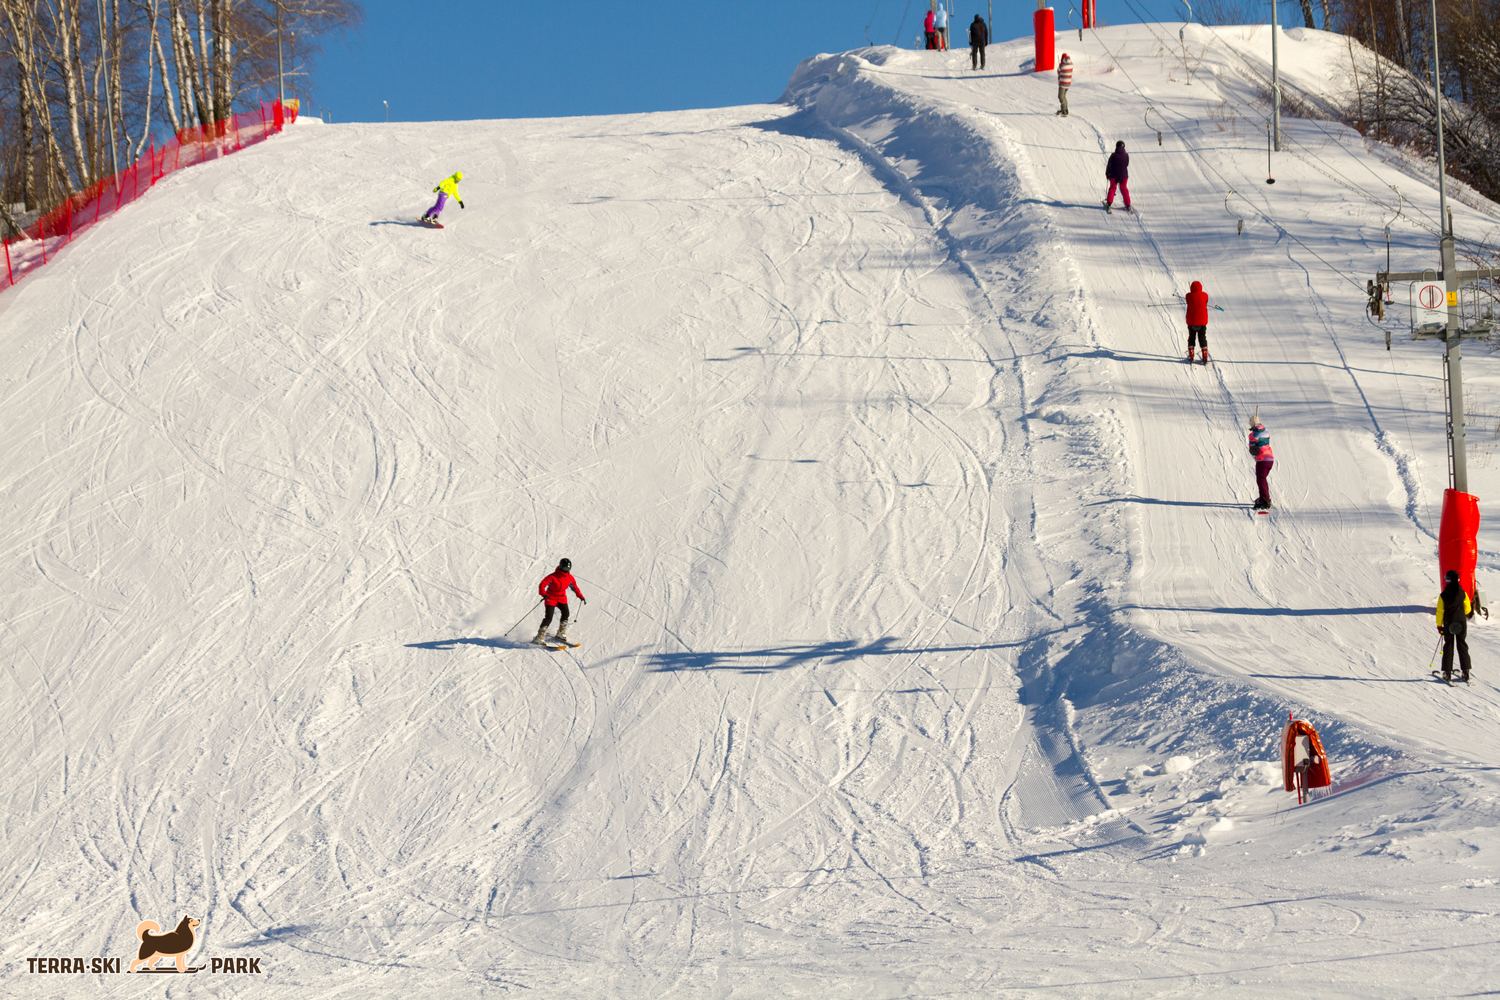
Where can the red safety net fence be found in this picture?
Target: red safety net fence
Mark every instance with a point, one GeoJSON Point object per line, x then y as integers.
{"type": "Point", "coordinates": [193, 145]}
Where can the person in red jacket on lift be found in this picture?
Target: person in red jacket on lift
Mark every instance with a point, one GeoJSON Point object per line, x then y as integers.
{"type": "Point", "coordinates": [1197, 319]}
{"type": "Point", "coordinates": [554, 591]}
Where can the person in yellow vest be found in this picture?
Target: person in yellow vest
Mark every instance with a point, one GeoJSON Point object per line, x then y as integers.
{"type": "Point", "coordinates": [445, 190]}
{"type": "Point", "coordinates": [1453, 611]}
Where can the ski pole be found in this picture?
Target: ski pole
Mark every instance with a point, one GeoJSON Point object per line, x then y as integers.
{"type": "Point", "coordinates": [525, 616]}
{"type": "Point", "coordinates": [1434, 653]}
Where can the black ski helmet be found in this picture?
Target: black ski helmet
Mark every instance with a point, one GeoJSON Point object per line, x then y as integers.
{"type": "Point", "coordinates": [1451, 576]}
{"type": "Point", "coordinates": [565, 564]}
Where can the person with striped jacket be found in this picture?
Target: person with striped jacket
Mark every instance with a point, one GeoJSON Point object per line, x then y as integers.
{"type": "Point", "coordinates": [1064, 81]}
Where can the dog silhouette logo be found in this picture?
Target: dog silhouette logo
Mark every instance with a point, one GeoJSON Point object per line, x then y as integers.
{"type": "Point", "coordinates": [174, 944]}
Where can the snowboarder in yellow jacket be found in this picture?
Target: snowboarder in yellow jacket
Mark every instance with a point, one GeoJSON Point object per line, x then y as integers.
{"type": "Point", "coordinates": [445, 190]}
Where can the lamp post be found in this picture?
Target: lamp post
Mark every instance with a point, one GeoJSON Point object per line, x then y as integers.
{"type": "Point", "coordinates": [387, 111]}
{"type": "Point", "coordinates": [1437, 96]}
{"type": "Point", "coordinates": [1275, 83]}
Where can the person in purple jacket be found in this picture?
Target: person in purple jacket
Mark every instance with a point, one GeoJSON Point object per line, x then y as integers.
{"type": "Point", "coordinates": [1118, 172]}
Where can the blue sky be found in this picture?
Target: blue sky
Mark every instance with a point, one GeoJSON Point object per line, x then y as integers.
{"type": "Point", "coordinates": [467, 59]}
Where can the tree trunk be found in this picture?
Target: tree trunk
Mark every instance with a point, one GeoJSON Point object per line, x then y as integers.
{"type": "Point", "coordinates": [151, 54]}
{"type": "Point", "coordinates": [21, 19]}
{"type": "Point", "coordinates": [65, 62]}
{"type": "Point", "coordinates": [207, 112]}
{"type": "Point", "coordinates": [223, 61]}
{"type": "Point", "coordinates": [1403, 43]}
{"type": "Point", "coordinates": [166, 81]}
{"type": "Point", "coordinates": [1307, 13]}
{"type": "Point", "coordinates": [182, 56]}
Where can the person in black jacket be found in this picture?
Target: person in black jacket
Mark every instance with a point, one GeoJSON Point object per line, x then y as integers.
{"type": "Point", "coordinates": [979, 37]}
{"type": "Point", "coordinates": [1118, 172]}
{"type": "Point", "coordinates": [1453, 611]}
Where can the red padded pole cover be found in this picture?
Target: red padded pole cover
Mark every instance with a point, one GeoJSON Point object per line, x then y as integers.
{"type": "Point", "coordinates": [1088, 13]}
{"type": "Point", "coordinates": [1042, 22]}
{"type": "Point", "coordinates": [1458, 537]}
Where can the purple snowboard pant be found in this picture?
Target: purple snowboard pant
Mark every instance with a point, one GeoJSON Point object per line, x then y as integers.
{"type": "Point", "coordinates": [1263, 478]}
{"type": "Point", "coordinates": [436, 210]}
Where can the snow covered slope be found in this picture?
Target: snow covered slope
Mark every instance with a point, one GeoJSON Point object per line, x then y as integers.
{"type": "Point", "coordinates": [930, 648]}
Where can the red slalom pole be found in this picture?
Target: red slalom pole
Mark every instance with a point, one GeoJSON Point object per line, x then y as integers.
{"type": "Point", "coordinates": [8, 272]}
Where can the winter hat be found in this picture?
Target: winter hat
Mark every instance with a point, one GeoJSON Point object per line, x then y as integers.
{"type": "Point", "coordinates": [1120, 144]}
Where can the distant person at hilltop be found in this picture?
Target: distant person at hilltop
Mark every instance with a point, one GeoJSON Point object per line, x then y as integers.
{"type": "Point", "coordinates": [929, 30]}
{"type": "Point", "coordinates": [979, 37]}
{"type": "Point", "coordinates": [1118, 172]}
{"type": "Point", "coordinates": [446, 189]}
{"type": "Point", "coordinates": [940, 23]}
{"type": "Point", "coordinates": [1197, 319]}
{"type": "Point", "coordinates": [1064, 81]}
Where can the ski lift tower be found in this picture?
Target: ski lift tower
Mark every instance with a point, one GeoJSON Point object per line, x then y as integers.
{"type": "Point", "coordinates": [1436, 315]}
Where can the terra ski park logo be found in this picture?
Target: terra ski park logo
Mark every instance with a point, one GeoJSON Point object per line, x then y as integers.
{"type": "Point", "coordinates": [159, 952]}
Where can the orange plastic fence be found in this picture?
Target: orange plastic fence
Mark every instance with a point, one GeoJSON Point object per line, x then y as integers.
{"type": "Point", "coordinates": [193, 145]}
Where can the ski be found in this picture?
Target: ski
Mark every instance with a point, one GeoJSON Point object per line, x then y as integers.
{"type": "Point", "coordinates": [1108, 208]}
{"type": "Point", "coordinates": [1448, 681]}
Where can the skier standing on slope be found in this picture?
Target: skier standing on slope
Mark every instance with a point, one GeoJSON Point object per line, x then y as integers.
{"type": "Point", "coordinates": [979, 37]}
{"type": "Point", "coordinates": [1260, 447]}
{"type": "Point", "coordinates": [445, 190]}
{"type": "Point", "coordinates": [1064, 81]}
{"type": "Point", "coordinates": [554, 591]}
{"type": "Point", "coordinates": [1197, 319]}
{"type": "Point", "coordinates": [1453, 612]}
{"type": "Point", "coordinates": [940, 24]}
{"type": "Point", "coordinates": [1118, 172]}
{"type": "Point", "coordinates": [929, 30]}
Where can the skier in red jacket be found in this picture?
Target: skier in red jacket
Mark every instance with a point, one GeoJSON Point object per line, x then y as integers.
{"type": "Point", "coordinates": [554, 591]}
{"type": "Point", "coordinates": [1197, 319]}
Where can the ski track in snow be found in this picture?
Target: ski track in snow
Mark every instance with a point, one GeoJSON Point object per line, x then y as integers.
{"type": "Point", "coordinates": [931, 648]}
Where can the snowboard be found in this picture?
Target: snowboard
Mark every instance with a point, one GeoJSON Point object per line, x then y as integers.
{"type": "Point", "coordinates": [430, 223]}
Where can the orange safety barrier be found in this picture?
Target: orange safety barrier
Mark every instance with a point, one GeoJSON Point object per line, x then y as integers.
{"type": "Point", "coordinates": [193, 145]}
{"type": "Point", "coordinates": [1458, 537]}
